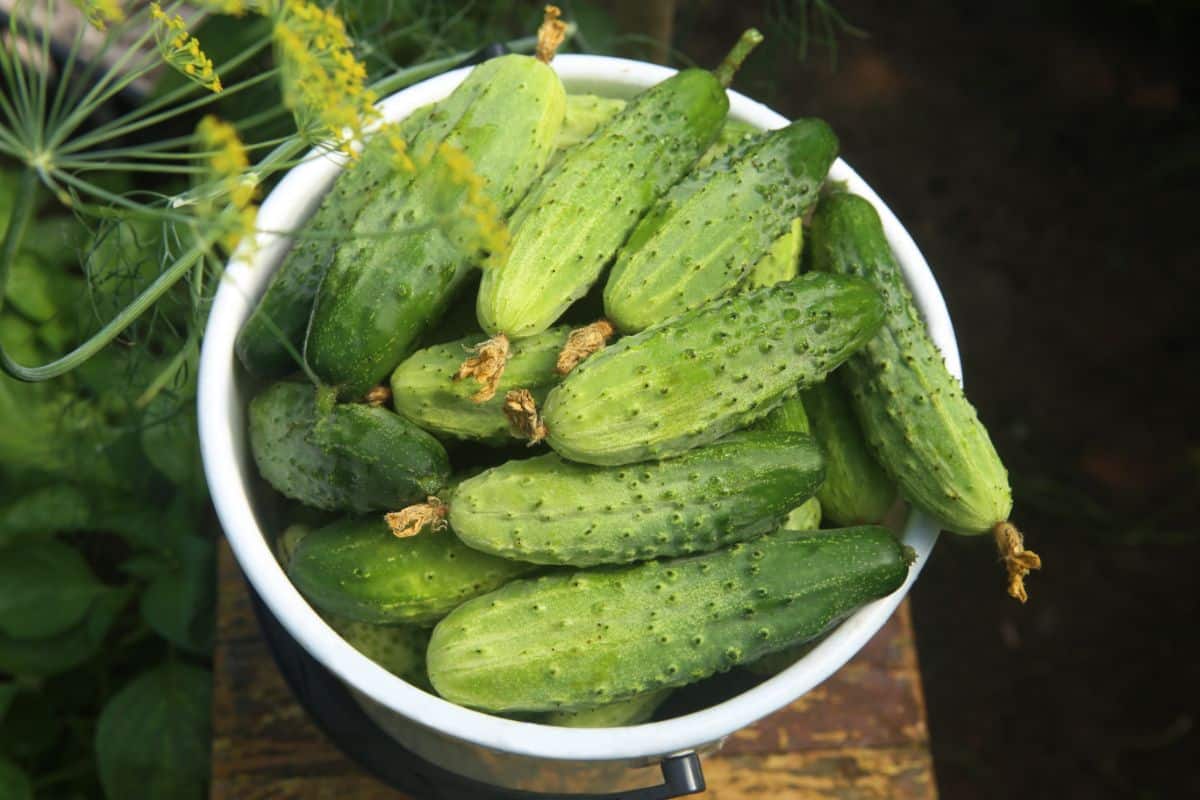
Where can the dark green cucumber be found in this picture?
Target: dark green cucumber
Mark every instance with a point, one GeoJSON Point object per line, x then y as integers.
{"type": "Point", "coordinates": [281, 316]}
{"type": "Point", "coordinates": [581, 211]}
{"type": "Point", "coordinates": [705, 373]}
{"type": "Point", "coordinates": [400, 649]}
{"type": "Point", "coordinates": [352, 457]}
{"type": "Point", "coordinates": [381, 293]}
{"type": "Point", "coordinates": [856, 489]}
{"type": "Point", "coordinates": [357, 569]}
{"type": "Point", "coordinates": [580, 639]}
{"type": "Point", "coordinates": [550, 511]}
{"type": "Point", "coordinates": [423, 392]}
{"type": "Point", "coordinates": [789, 417]}
{"type": "Point", "coordinates": [913, 412]}
{"type": "Point", "coordinates": [703, 237]}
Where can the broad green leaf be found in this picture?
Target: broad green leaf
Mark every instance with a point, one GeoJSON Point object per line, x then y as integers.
{"type": "Point", "coordinates": [152, 740]}
{"type": "Point", "coordinates": [33, 726]}
{"type": "Point", "coordinates": [39, 292]}
{"type": "Point", "coordinates": [47, 509]}
{"type": "Point", "coordinates": [45, 588]}
{"type": "Point", "coordinates": [178, 604]}
{"type": "Point", "coordinates": [57, 241]}
{"type": "Point", "coordinates": [14, 783]}
{"type": "Point", "coordinates": [67, 650]}
{"type": "Point", "coordinates": [8, 692]}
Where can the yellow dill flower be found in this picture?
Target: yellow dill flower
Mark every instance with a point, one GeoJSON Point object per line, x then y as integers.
{"type": "Point", "coordinates": [234, 8]}
{"type": "Point", "coordinates": [228, 165]}
{"type": "Point", "coordinates": [323, 83]}
{"type": "Point", "coordinates": [471, 216]}
{"type": "Point", "coordinates": [100, 12]}
{"type": "Point", "coordinates": [401, 158]}
{"type": "Point", "coordinates": [181, 50]}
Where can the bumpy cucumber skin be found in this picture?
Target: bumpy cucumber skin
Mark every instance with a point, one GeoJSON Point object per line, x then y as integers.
{"type": "Point", "coordinates": [856, 489]}
{"type": "Point", "coordinates": [579, 213]}
{"type": "Point", "coordinates": [356, 569]}
{"type": "Point", "coordinates": [782, 261]}
{"type": "Point", "coordinates": [705, 373]}
{"type": "Point", "coordinates": [380, 294]}
{"type": "Point", "coordinates": [288, 300]}
{"type": "Point", "coordinates": [585, 113]}
{"type": "Point", "coordinates": [633, 711]}
{"type": "Point", "coordinates": [354, 458]}
{"type": "Point", "coordinates": [790, 417]}
{"type": "Point", "coordinates": [604, 635]}
{"type": "Point", "coordinates": [704, 235]}
{"type": "Point", "coordinates": [732, 133]}
{"type": "Point", "coordinates": [423, 390]}
{"type": "Point", "coordinates": [550, 511]}
{"type": "Point", "coordinates": [913, 412]}
{"type": "Point", "coordinates": [400, 649]}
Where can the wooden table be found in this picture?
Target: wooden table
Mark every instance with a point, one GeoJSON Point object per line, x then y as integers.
{"type": "Point", "coordinates": [859, 736]}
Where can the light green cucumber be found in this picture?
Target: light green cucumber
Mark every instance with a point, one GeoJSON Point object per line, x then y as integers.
{"type": "Point", "coordinates": [732, 133]}
{"type": "Point", "coordinates": [584, 114]}
{"type": "Point", "coordinates": [286, 541]}
{"type": "Point", "coordinates": [856, 489]}
{"type": "Point", "coordinates": [550, 511]}
{"type": "Point", "coordinates": [581, 639]}
{"type": "Point", "coordinates": [633, 711]}
{"type": "Point", "coordinates": [701, 239]}
{"type": "Point", "coordinates": [577, 216]}
{"type": "Point", "coordinates": [705, 373]}
{"type": "Point", "coordinates": [348, 457]}
{"type": "Point", "coordinates": [381, 293]}
{"type": "Point", "coordinates": [356, 569]}
{"type": "Point", "coordinates": [424, 392]}
{"type": "Point", "coordinates": [280, 317]}
{"type": "Point", "coordinates": [913, 412]}
{"type": "Point", "coordinates": [400, 649]}
{"type": "Point", "coordinates": [782, 261]}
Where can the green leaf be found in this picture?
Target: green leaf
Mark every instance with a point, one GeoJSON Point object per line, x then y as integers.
{"type": "Point", "coordinates": [33, 726]}
{"type": "Point", "coordinates": [67, 650]}
{"type": "Point", "coordinates": [47, 509]}
{"type": "Point", "coordinates": [40, 293]}
{"type": "Point", "coordinates": [57, 241]}
{"type": "Point", "coordinates": [14, 783]}
{"type": "Point", "coordinates": [8, 692]}
{"type": "Point", "coordinates": [45, 588]}
{"type": "Point", "coordinates": [152, 740]}
{"type": "Point", "coordinates": [178, 604]}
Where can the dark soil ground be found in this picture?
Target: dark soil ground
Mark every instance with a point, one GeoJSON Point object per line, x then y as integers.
{"type": "Point", "coordinates": [1045, 157]}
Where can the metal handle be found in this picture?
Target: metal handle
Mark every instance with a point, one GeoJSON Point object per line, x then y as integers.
{"type": "Point", "coordinates": [682, 775]}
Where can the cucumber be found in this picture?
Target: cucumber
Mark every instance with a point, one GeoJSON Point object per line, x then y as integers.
{"type": "Point", "coordinates": [400, 649]}
{"type": "Point", "coordinates": [280, 318]}
{"type": "Point", "coordinates": [356, 569]}
{"type": "Point", "coordinates": [550, 511]}
{"type": "Point", "coordinates": [789, 417]}
{"type": "Point", "coordinates": [584, 114]}
{"type": "Point", "coordinates": [581, 211]}
{"type": "Point", "coordinates": [702, 238]}
{"type": "Point", "coordinates": [380, 294]}
{"type": "Point", "coordinates": [574, 640]}
{"type": "Point", "coordinates": [781, 262]}
{"type": "Point", "coordinates": [351, 457]}
{"type": "Point", "coordinates": [634, 711]}
{"type": "Point", "coordinates": [920, 425]}
{"type": "Point", "coordinates": [733, 133]}
{"type": "Point", "coordinates": [423, 392]}
{"type": "Point", "coordinates": [705, 373]}
{"type": "Point", "coordinates": [856, 490]}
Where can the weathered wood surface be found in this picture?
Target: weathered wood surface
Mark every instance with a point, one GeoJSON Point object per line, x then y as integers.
{"type": "Point", "coordinates": [859, 736]}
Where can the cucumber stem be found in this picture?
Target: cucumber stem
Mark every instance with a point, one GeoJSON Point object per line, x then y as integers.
{"type": "Point", "coordinates": [522, 412]}
{"type": "Point", "coordinates": [412, 520]}
{"type": "Point", "coordinates": [745, 45]}
{"type": "Point", "coordinates": [378, 396]}
{"type": "Point", "coordinates": [550, 35]}
{"type": "Point", "coordinates": [581, 343]}
{"type": "Point", "coordinates": [486, 367]}
{"type": "Point", "coordinates": [1017, 560]}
